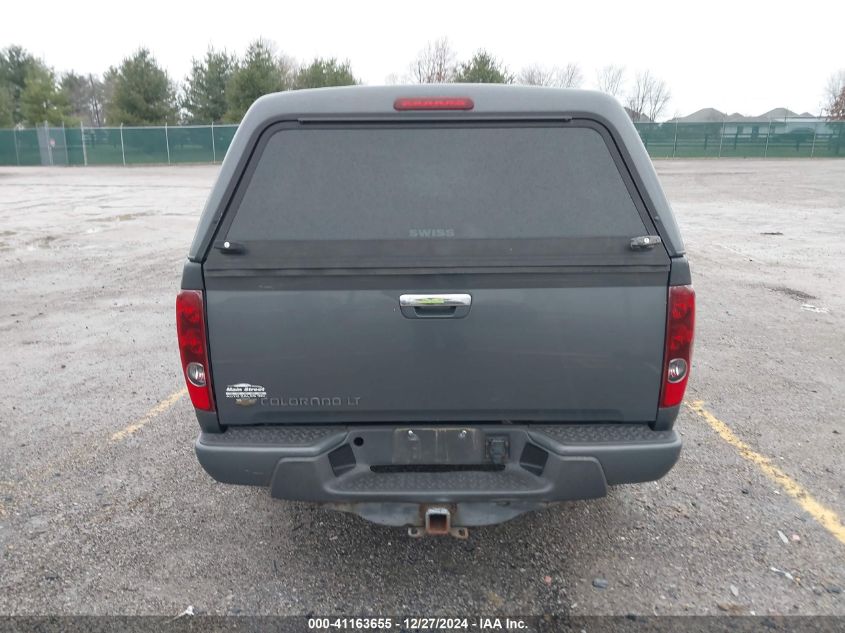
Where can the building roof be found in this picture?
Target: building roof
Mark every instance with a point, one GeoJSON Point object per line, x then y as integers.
{"type": "Point", "coordinates": [778, 113]}
{"type": "Point", "coordinates": [705, 115]}
{"type": "Point", "coordinates": [635, 116]}
{"type": "Point", "coordinates": [712, 115]}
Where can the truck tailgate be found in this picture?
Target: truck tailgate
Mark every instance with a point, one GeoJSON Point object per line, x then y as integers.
{"type": "Point", "coordinates": [565, 347]}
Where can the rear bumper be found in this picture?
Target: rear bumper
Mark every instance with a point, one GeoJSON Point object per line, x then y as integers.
{"type": "Point", "coordinates": [334, 464]}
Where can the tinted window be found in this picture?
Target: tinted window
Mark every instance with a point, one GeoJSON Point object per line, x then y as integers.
{"type": "Point", "coordinates": [380, 183]}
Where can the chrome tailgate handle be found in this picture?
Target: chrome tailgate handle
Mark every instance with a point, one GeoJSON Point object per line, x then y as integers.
{"type": "Point", "coordinates": [435, 301]}
{"type": "Point", "coordinates": [435, 306]}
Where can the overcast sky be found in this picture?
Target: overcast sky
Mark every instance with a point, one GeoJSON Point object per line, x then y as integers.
{"type": "Point", "coordinates": [735, 56]}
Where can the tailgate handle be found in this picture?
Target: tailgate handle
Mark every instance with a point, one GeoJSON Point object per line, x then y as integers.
{"type": "Point", "coordinates": [430, 301]}
{"type": "Point", "coordinates": [429, 306]}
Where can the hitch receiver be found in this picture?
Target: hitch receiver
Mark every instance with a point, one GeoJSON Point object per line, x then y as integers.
{"type": "Point", "coordinates": [438, 522]}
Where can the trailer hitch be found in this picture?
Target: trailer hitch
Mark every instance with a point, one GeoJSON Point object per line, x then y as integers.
{"type": "Point", "coordinates": [438, 522]}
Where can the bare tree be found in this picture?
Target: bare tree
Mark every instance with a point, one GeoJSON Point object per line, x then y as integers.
{"type": "Point", "coordinates": [569, 76]}
{"type": "Point", "coordinates": [836, 112]}
{"type": "Point", "coordinates": [658, 98]}
{"type": "Point", "coordinates": [555, 77]}
{"type": "Point", "coordinates": [648, 97]}
{"type": "Point", "coordinates": [96, 96]}
{"type": "Point", "coordinates": [637, 97]}
{"type": "Point", "coordinates": [834, 87]}
{"type": "Point", "coordinates": [288, 68]}
{"type": "Point", "coordinates": [610, 79]}
{"type": "Point", "coordinates": [536, 75]}
{"type": "Point", "coordinates": [435, 63]}
{"type": "Point", "coordinates": [393, 79]}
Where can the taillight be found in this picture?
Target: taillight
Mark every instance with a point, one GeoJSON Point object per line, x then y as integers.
{"type": "Point", "coordinates": [190, 327]}
{"type": "Point", "coordinates": [433, 103]}
{"type": "Point", "coordinates": [677, 355]}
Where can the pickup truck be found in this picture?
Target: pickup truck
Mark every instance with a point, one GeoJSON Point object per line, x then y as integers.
{"type": "Point", "coordinates": [436, 306]}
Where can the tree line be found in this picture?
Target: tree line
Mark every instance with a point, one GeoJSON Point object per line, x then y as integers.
{"type": "Point", "coordinates": [220, 86]}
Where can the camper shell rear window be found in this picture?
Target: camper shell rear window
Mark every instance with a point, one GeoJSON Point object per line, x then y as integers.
{"type": "Point", "coordinates": [439, 194]}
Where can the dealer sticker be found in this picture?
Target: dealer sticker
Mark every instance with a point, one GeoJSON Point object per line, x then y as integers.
{"type": "Point", "coordinates": [245, 391]}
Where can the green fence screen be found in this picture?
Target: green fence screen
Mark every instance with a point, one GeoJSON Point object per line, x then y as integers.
{"type": "Point", "coordinates": [783, 138]}
{"type": "Point", "coordinates": [743, 139]}
{"type": "Point", "coordinates": [115, 145]}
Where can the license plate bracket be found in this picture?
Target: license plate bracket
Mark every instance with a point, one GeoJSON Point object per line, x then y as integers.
{"type": "Point", "coordinates": [438, 445]}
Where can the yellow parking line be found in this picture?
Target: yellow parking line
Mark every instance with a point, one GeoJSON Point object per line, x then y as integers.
{"type": "Point", "coordinates": [824, 515]}
{"type": "Point", "coordinates": [157, 410]}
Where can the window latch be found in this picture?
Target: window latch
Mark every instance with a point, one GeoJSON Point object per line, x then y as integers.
{"type": "Point", "coordinates": [645, 242]}
{"type": "Point", "coordinates": [230, 248]}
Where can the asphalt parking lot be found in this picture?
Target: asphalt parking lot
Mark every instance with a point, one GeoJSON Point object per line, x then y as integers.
{"type": "Point", "coordinates": [104, 509]}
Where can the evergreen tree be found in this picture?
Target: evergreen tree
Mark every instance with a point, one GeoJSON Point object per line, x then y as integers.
{"type": "Point", "coordinates": [259, 73]}
{"type": "Point", "coordinates": [322, 73]}
{"type": "Point", "coordinates": [142, 93]}
{"type": "Point", "coordinates": [204, 98]}
{"type": "Point", "coordinates": [483, 68]}
{"type": "Point", "coordinates": [15, 63]}
{"type": "Point", "coordinates": [41, 100]}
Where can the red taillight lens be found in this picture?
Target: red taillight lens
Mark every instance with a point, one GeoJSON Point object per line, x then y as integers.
{"type": "Point", "coordinates": [190, 327]}
{"type": "Point", "coordinates": [433, 103]}
{"type": "Point", "coordinates": [677, 356]}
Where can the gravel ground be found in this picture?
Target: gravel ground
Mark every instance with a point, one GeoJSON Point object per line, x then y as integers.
{"type": "Point", "coordinates": [90, 261]}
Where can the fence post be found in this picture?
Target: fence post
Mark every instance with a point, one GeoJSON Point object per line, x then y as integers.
{"type": "Point", "coordinates": [47, 141]}
{"type": "Point", "coordinates": [213, 149]}
{"type": "Point", "coordinates": [721, 138]}
{"type": "Point", "coordinates": [813, 146]}
{"type": "Point", "coordinates": [675, 142]}
{"type": "Point", "coordinates": [15, 140]}
{"type": "Point", "coordinates": [84, 151]}
{"type": "Point", "coordinates": [67, 154]}
{"type": "Point", "coordinates": [768, 134]}
{"type": "Point", "coordinates": [122, 146]}
{"type": "Point", "coordinates": [167, 142]}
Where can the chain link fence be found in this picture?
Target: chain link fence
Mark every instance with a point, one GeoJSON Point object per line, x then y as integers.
{"type": "Point", "coordinates": [783, 138]}
{"type": "Point", "coordinates": [123, 145]}
{"type": "Point", "coordinates": [45, 145]}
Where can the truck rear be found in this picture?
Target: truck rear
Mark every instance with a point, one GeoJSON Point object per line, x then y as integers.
{"type": "Point", "coordinates": [436, 306]}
